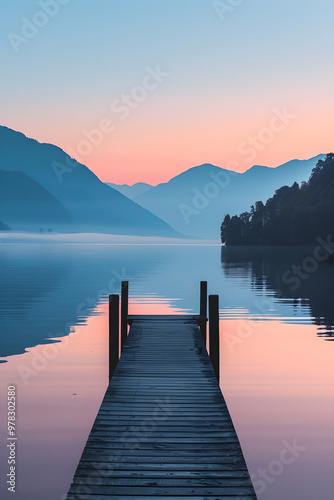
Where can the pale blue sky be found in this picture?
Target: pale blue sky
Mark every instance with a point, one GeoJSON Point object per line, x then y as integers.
{"type": "Point", "coordinates": [265, 53]}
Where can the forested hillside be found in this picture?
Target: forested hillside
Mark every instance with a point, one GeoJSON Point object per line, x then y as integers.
{"type": "Point", "coordinates": [295, 215]}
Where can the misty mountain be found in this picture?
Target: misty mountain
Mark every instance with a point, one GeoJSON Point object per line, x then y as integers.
{"type": "Point", "coordinates": [4, 227]}
{"type": "Point", "coordinates": [196, 201]}
{"type": "Point", "coordinates": [131, 191]}
{"type": "Point", "coordinates": [93, 206]}
{"type": "Point", "coordinates": [25, 204]}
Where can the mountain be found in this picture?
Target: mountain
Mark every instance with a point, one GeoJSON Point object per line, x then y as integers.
{"type": "Point", "coordinates": [3, 226]}
{"type": "Point", "coordinates": [131, 191]}
{"type": "Point", "coordinates": [93, 206]}
{"type": "Point", "coordinates": [196, 201]}
{"type": "Point", "coordinates": [21, 199]}
{"type": "Point", "coordinates": [296, 215]}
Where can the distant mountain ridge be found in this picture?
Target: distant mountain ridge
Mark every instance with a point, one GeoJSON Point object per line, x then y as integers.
{"type": "Point", "coordinates": [195, 201]}
{"type": "Point", "coordinates": [70, 197]}
{"type": "Point", "coordinates": [131, 191]}
{"type": "Point", "coordinates": [92, 205]}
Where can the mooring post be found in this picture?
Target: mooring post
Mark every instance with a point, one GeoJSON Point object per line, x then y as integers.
{"type": "Point", "coordinates": [124, 311]}
{"type": "Point", "coordinates": [214, 332]}
{"type": "Point", "coordinates": [203, 307]}
{"type": "Point", "coordinates": [113, 333]}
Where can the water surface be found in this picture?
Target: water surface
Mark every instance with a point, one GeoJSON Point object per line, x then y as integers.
{"type": "Point", "coordinates": [276, 352]}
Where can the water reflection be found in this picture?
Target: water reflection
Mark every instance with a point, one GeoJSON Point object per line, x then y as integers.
{"type": "Point", "coordinates": [291, 276]}
{"type": "Point", "coordinates": [46, 290]}
{"type": "Point", "coordinates": [277, 379]}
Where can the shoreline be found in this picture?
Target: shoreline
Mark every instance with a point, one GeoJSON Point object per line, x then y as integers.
{"type": "Point", "coordinates": [98, 239]}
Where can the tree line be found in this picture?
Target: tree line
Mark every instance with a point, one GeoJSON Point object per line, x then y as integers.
{"type": "Point", "coordinates": [295, 215]}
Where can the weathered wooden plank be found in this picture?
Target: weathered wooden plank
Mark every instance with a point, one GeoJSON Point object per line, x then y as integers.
{"type": "Point", "coordinates": [163, 429]}
{"type": "Point", "coordinates": [92, 471]}
{"type": "Point", "coordinates": [169, 482]}
{"type": "Point", "coordinates": [194, 444]}
{"type": "Point", "coordinates": [194, 421]}
{"type": "Point", "coordinates": [162, 453]}
{"type": "Point", "coordinates": [163, 490]}
{"type": "Point", "coordinates": [229, 464]}
{"type": "Point", "coordinates": [113, 433]}
{"type": "Point", "coordinates": [82, 496]}
{"type": "Point", "coordinates": [136, 420]}
{"type": "Point", "coordinates": [162, 459]}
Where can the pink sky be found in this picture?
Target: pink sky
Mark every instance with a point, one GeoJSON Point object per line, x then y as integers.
{"type": "Point", "coordinates": [145, 148]}
{"type": "Point", "coordinates": [219, 78]}
{"type": "Point", "coordinates": [157, 150]}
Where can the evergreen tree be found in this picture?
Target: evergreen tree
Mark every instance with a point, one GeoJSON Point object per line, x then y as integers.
{"type": "Point", "coordinates": [295, 215]}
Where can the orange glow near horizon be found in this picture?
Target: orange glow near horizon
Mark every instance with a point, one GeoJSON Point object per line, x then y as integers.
{"type": "Point", "coordinates": [148, 148]}
{"type": "Point", "coordinates": [129, 157]}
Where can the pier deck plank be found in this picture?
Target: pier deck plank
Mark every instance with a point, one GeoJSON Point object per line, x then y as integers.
{"type": "Point", "coordinates": [163, 429]}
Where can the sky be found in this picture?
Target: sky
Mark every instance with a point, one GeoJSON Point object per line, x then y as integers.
{"type": "Point", "coordinates": [141, 90]}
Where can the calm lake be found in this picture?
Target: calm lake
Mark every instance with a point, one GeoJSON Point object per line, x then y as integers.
{"type": "Point", "coordinates": [277, 367]}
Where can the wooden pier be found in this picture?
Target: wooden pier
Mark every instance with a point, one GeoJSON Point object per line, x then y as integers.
{"type": "Point", "coordinates": [163, 429]}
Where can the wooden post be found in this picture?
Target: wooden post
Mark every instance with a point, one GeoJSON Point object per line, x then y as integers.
{"type": "Point", "coordinates": [203, 307]}
{"type": "Point", "coordinates": [124, 311]}
{"type": "Point", "coordinates": [214, 332]}
{"type": "Point", "coordinates": [113, 333]}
